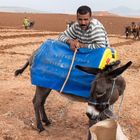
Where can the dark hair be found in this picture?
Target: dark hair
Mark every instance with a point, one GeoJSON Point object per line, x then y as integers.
{"type": "Point", "coordinates": [84, 10]}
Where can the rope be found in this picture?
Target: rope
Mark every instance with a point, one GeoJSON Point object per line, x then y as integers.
{"type": "Point", "coordinates": [119, 110]}
{"type": "Point", "coordinates": [61, 111]}
{"type": "Point", "coordinates": [67, 77]}
{"type": "Point", "coordinates": [120, 105]}
{"type": "Point", "coordinates": [112, 90]}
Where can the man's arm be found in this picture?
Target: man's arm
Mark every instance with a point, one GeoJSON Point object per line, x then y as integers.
{"type": "Point", "coordinates": [68, 34]}
{"type": "Point", "coordinates": [69, 37]}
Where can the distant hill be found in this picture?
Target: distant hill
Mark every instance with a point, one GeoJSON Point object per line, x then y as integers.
{"type": "Point", "coordinates": [29, 10]}
{"type": "Point", "coordinates": [19, 10]}
{"type": "Point", "coordinates": [119, 11]}
{"type": "Point", "coordinates": [125, 11]}
{"type": "Point", "coordinates": [103, 13]}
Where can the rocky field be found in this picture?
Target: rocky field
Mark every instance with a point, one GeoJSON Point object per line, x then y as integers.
{"type": "Point", "coordinates": [69, 120]}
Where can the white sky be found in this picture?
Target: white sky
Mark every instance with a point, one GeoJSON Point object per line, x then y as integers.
{"type": "Point", "coordinates": [70, 6]}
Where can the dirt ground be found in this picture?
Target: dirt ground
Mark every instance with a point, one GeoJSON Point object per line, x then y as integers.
{"type": "Point", "coordinates": [57, 22]}
{"type": "Point", "coordinates": [69, 120]}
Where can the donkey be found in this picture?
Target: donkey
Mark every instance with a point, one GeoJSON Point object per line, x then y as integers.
{"type": "Point", "coordinates": [100, 88]}
{"type": "Point", "coordinates": [128, 31]}
{"type": "Point", "coordinates": [135, 30]}
{"type": "Point", "coordinates": [31, 24]}
{"type": "Point", "coordinates": [105, 91]}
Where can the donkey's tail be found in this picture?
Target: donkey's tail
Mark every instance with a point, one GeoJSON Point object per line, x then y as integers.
{"type": "Point", "coordinates": [21, 70]}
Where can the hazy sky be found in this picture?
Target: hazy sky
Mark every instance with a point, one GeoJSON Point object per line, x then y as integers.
{"type": "Point", "coordinates": [70, 6]}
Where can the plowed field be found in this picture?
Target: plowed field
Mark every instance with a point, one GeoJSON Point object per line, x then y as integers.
{"type": "Point", "coordinates": [68, 120]}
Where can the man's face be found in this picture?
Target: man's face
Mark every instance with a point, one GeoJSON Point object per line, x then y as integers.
{"type": "Point", "coordinates": [83, 20]}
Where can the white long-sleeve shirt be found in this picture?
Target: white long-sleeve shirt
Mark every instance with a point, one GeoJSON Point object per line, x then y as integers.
{"type": "Point", "coordinates": [94, 37]}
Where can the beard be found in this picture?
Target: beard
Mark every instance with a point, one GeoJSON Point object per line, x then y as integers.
{"type": "Point", "coordinates": [83, 27]}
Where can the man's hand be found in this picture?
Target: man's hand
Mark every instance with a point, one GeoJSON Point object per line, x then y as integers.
{"type": "Point", "coordinates": [74, 44]}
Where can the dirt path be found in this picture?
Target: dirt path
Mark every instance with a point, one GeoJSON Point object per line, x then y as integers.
{"type": "Point", "coordinates": [68, 121]}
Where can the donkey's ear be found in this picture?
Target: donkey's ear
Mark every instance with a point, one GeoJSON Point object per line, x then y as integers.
{"type": "Point", "coordinates": [119, 70]}
{"type": "Point", "coordinates": [89, 70]}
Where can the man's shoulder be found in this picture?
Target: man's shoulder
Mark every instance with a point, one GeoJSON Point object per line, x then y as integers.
{"type": "Point", "coordinates": [96, 22]}
{"type": "Point", "coordinates": [75, 23]}
{"type": "Point", "coordinates": [75, 26]}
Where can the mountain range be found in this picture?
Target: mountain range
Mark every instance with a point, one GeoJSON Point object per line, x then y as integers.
{"type": "Point", "coordinates": [125, 11]}
{"type": "Point", "coordinates": [121, 11]}
{"type": "Point", "coordinates": [19, 10]}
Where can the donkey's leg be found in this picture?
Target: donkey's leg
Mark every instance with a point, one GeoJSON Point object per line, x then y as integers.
{"type": "Point", "coordinates": [89, 136]}
{"type": "Point", "coordinates": [40, 96]}
{"type": "Point", "coordinates": [91, 122]}
{"type": "Point", "coordinates": [36, 109]}
{"type": "Point", "coordinates": [42, 109]}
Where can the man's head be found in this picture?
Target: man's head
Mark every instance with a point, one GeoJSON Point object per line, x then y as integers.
{"type": "Point", "coordinates": [84, 16]}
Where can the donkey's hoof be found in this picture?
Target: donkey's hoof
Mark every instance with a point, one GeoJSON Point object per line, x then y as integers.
{"type": "Point", "coordinates": [47, 123]}
{"type": "Point", "coordinates": [40, 129]}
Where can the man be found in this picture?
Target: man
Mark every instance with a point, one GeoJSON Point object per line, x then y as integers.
{"type": "Point", "coordinates": [26, 23]}
{"type": "Point", "coordinates": [85, 32]}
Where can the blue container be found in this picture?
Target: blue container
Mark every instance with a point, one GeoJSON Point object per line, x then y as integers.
{"type": "Point", "coordinates": [51, 64]}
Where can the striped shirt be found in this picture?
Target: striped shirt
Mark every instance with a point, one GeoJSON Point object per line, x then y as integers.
{"type": "Point", "coordinates": [94, 37]}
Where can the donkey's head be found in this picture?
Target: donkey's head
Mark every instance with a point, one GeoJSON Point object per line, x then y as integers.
{"type": "Point", "coordinates": [106, 87]}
